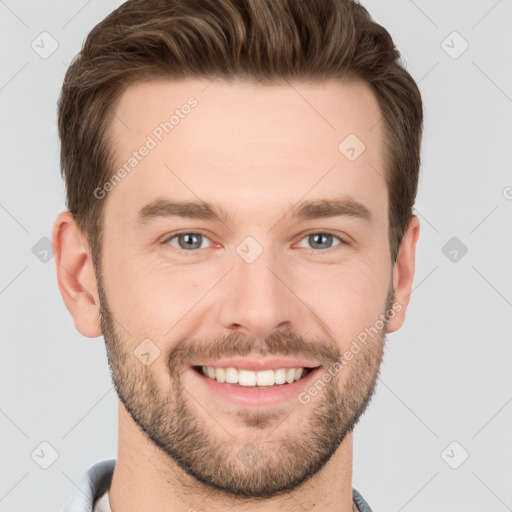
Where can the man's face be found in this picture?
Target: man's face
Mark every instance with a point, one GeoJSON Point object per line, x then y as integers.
{"type": "Point", "coordinates": [261, 283]}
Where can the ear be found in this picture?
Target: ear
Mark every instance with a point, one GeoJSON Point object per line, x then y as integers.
{"type": "Point", "coordinates": [75, 275]}
{"type": "Point", "coordinates": [403, 273]}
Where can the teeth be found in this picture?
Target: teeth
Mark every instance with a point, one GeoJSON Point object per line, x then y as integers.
{"type": "Point", "coordinates": [251, 378]}
{"type": "Point", "coordinates": [231, 375]}
{"type": "Point", "coordinates": [220, 374]}
{"type": "Point", "coordinates": [265, 378]}
{"type": "Point", "coordinates": [280, 376]}
{"type": "Point", "coordinates": [246, 378]}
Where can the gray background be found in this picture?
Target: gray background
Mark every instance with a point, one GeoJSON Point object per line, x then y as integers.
{"type": "Point", "coordinates": [446, 376]}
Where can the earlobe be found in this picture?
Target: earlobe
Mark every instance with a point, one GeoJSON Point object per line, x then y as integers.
{"type": "Point", "coordinates": [75, 275]}
{"type": "Point", "coordinates": [403, 273]}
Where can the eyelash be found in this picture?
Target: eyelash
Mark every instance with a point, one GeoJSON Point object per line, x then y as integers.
{"type": "Point", "coordinates": [191, 252]}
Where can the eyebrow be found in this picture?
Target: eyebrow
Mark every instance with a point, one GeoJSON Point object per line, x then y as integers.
{"type": "Point", "coordinates": [324, 208]}
{"type": "Point", "coordinates": [203, 210]}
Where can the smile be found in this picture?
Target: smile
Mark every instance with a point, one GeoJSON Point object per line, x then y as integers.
{"type": "Point", "coordinates": [250, 378]}
{"type": "Point", "coordinates": [250, 388]}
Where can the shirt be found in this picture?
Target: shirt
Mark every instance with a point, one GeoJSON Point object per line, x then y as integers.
{"type": "Point", "coordinates": [91, 494]}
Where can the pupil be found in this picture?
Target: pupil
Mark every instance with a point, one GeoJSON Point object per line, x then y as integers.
{"type": "Point", "coordinates": [323, 236]}
{"type": "Point", "coordinates": [191, 241]}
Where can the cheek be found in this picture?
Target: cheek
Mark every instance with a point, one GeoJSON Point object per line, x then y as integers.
{"type": "Point", "coordinates": [155, 300]}
{"type": "Point", "coordinates": [128, 289]}
{"type": "Point", "coordinates": [347, 299]}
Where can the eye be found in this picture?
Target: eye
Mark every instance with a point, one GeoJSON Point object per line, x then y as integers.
{"type": "Point", "coordinates": [187, 241]}
{"type": "Point", "coordinates": [322, 240]}
{"type": "Point", "coordinates": [191, 241]}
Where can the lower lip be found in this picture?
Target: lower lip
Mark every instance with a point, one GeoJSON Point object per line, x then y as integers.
{"type": "Point", "coordinates": [257, 396]}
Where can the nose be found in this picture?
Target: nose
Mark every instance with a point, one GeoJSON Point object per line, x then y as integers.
{"type": "Point", "coordinates": [258, 297]}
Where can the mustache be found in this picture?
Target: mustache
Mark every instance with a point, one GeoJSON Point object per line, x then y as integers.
{"type": "Point", "coordinates": [281, 343]}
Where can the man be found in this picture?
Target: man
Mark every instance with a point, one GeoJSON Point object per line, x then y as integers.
{"type": "Point", "coordinates": [240, 180]}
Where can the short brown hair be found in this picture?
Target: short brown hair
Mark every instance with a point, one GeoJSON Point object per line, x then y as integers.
{"type": "Point", "coordinates": [265, 41]}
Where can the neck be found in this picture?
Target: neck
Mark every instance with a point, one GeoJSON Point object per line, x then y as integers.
{"type": "Point", "coordinates": [146, 478]}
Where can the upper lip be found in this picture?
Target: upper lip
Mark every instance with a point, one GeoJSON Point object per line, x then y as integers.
{"type": "Point", "coordinates": [260, 364]}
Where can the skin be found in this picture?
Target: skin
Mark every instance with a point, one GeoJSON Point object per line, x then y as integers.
{"type": "Point", "coordinates": [257, 151]}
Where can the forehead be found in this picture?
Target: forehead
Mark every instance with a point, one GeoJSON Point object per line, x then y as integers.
{"type": "Point", "coordinates": [223, 109]}
{"type": "Point", "coordinates": [208, 139]}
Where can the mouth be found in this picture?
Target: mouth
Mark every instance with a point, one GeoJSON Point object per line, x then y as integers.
{"type": "Point", "coordinates": [254, 379]}
{"type": "Point", "coordinates": [249, 388]}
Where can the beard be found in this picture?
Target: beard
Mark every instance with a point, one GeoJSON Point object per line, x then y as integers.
{"type": "Point", "coordinates": [252, 465]}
